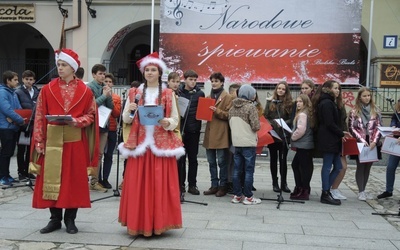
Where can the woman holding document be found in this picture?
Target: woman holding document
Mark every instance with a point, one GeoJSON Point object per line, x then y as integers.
{"type": "Point", "coordinates": [364, 121]}
{"type": "Point", "coordinates": [150, 202]}
{"type": "Point", "coordinates": [279, 107]}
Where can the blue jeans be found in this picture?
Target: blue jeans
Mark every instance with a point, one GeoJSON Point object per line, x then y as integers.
{"type": "Point", "coordinates": [328, 176]}
{"type": "Point", "coordinates": [393, 163]}
{"type": "Point", "coordinates": [222, 156]}
{"type": "Point", "coordinates": [244, 157]}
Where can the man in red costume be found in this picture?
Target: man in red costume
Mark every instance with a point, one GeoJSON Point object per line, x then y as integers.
{"type": "Point", "coordinates": [66, 150]}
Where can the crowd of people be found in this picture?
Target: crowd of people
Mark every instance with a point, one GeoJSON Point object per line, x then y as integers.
{"type": "Point", "coordinates": [161, 129]}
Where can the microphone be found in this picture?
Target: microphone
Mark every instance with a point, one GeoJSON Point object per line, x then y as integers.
{"type": "Point", "coordinates": [133, 112]}
{"type": "Point", "coordinates": [276, 101]}
{"type": "Point", "coordinates": [389, 99]}
{"type": "Point", "coordinates": [192, 91]}
{"type": "Point", "coordinates": [124, 91]}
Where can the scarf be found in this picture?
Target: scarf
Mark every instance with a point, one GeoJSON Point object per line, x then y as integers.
{"type": "Point", "coordinates": [215, 93]}
{"type": "Point", "coordinates": [366, 116]}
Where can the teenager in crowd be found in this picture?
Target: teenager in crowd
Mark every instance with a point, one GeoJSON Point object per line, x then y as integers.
{"type": "Point", "coordinates": [393, 161]}
{"type": "Point", "coordinates": [279, 107]}
{"type": "Point", "coordinates": [329, 136]}
{"type": "Point", "coordinates": [216, 137]}
{"type": "Point", "coordinates": [364, 120]}
{"type": "Point", "coordinates": [302, 141]}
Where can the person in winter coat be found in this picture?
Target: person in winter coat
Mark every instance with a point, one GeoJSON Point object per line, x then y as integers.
{"type": "Point", "coordinates": [10, 123]}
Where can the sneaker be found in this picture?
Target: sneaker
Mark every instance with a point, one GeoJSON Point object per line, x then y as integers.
{"type": "Point", "coordinates": [98, 187]}
{"type": "Point", "coordinates": [251, 201]}
{"type": "Point", "coordinates": [193, 190]}
{"type": "Point", "coordinates": [336, 194]}
{"type": "Point", "coordinates": [5, 182]}
{"type": "Point", "coordinates": [385, 195]}
{"type": "Point", "coordinates": [368, 196]}
{"type": "Point", "coordinates": [12, 180]}
{"type": "Point", "coordinates": [361, 196]}
{"type": "Point", "coordinates": [237, 199]}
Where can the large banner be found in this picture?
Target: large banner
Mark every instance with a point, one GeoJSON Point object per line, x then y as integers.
{"type": "Point", "coordinates": [263, 41]}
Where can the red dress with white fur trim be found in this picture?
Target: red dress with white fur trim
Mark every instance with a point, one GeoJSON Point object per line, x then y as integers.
{"type": "Point", "coordinates": [150, 202]}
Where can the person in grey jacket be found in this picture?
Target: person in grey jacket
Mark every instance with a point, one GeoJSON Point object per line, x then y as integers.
{"type": "Point", "coordinates": [10, 122]}
{"type": "Point", "coordinates": [244, 123]}
{"type": "Point", "coordinates": [103, 96]}
{"type": "Point", "coordinates": [302, 141]}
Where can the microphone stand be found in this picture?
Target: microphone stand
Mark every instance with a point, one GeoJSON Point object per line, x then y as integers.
{"type": "Point", "coordinates": [29, 183]}
{"type": "Point", "coordinates": [181, 167]}
{"type": "Point", "coordinates": [280, 198]}
{"type": "Point", "coordinates": [116, 192]}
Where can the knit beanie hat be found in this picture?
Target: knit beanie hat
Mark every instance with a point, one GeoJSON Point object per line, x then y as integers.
{"type": "Point", "coordinates": [247, 92]}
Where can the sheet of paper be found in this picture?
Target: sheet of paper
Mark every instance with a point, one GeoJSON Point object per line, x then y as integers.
{"type": "Point", "coordinates": [274, 134]}
{"type": "Point", "coordinates": [104, 114]}
{"type": "Point", "coordinates": [182, 105]}
{"type": "Point", "coordinates": [282, 122]}
{"type": "Point", "coordinates": [367, 155]}
{"type": "Point", "coordinates": [385, 131]}
{"type": "Point", "coordinates": [391, 146]}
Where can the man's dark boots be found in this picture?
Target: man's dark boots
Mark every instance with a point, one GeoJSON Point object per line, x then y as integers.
{"type": "Point", "coordinates": [55, 221]}
{"type": "Point", "coordinates": [69, 220]}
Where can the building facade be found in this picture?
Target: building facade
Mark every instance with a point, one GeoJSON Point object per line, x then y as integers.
{"type": "Point", "coordinates": [120, 33]}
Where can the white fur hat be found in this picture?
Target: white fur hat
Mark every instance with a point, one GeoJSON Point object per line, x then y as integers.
{"type": "Point", "coordinates": [153, 59]}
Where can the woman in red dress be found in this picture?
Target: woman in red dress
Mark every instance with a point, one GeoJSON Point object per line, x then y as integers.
{"type": "Point", "coordinates": [150, 202]}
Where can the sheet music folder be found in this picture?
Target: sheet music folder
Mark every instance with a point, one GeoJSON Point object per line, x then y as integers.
{"type": "Point", "coordinates": [150, 114]}
{"type": "Point", "coordinates": [59, 118]}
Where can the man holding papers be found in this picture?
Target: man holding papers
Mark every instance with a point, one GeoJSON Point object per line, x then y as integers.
{"type": "Point", "coordinates": [103, 95]}
{"type": "Point", "coordinates": [364, 121]}
{"type": "Point", "coordinates": [216, 137]}
{"type": "Point", "coordinates": [190, 129]}
{"type": "Point", "coordinates": [64, 152]}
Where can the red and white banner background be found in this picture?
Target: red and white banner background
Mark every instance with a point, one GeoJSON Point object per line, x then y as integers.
{"type": "Point", "coordinates": [263, 41]}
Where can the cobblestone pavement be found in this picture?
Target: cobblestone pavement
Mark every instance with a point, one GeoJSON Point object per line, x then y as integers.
{"type": "Point", "coordinates": [376, 185]}
{"type": "Point", "coordinates": [388, 205]}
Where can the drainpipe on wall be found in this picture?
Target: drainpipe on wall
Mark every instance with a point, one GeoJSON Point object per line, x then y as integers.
{"type": "Point", "coordinates": [79, 21]}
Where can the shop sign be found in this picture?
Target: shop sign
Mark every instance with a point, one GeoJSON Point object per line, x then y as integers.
{"type": "Point", "coordinates": [390, 75]}
{"type": "Point", "coordinates": [17, 13]}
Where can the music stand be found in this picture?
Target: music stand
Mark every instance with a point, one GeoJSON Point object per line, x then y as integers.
{"type": "Point", "coordinates": [280, 198]}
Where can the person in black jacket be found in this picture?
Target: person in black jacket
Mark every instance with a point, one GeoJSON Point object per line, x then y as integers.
{"type": "Point", "coordinates": [329, 136]}
{"type": "Point", "coordinates": [27, 95]}
{"type": "Point", "coordinates": [190, 129]}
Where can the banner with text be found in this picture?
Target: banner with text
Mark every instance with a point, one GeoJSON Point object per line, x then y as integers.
{"type": "Point", "coordinates": [263, 41]}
